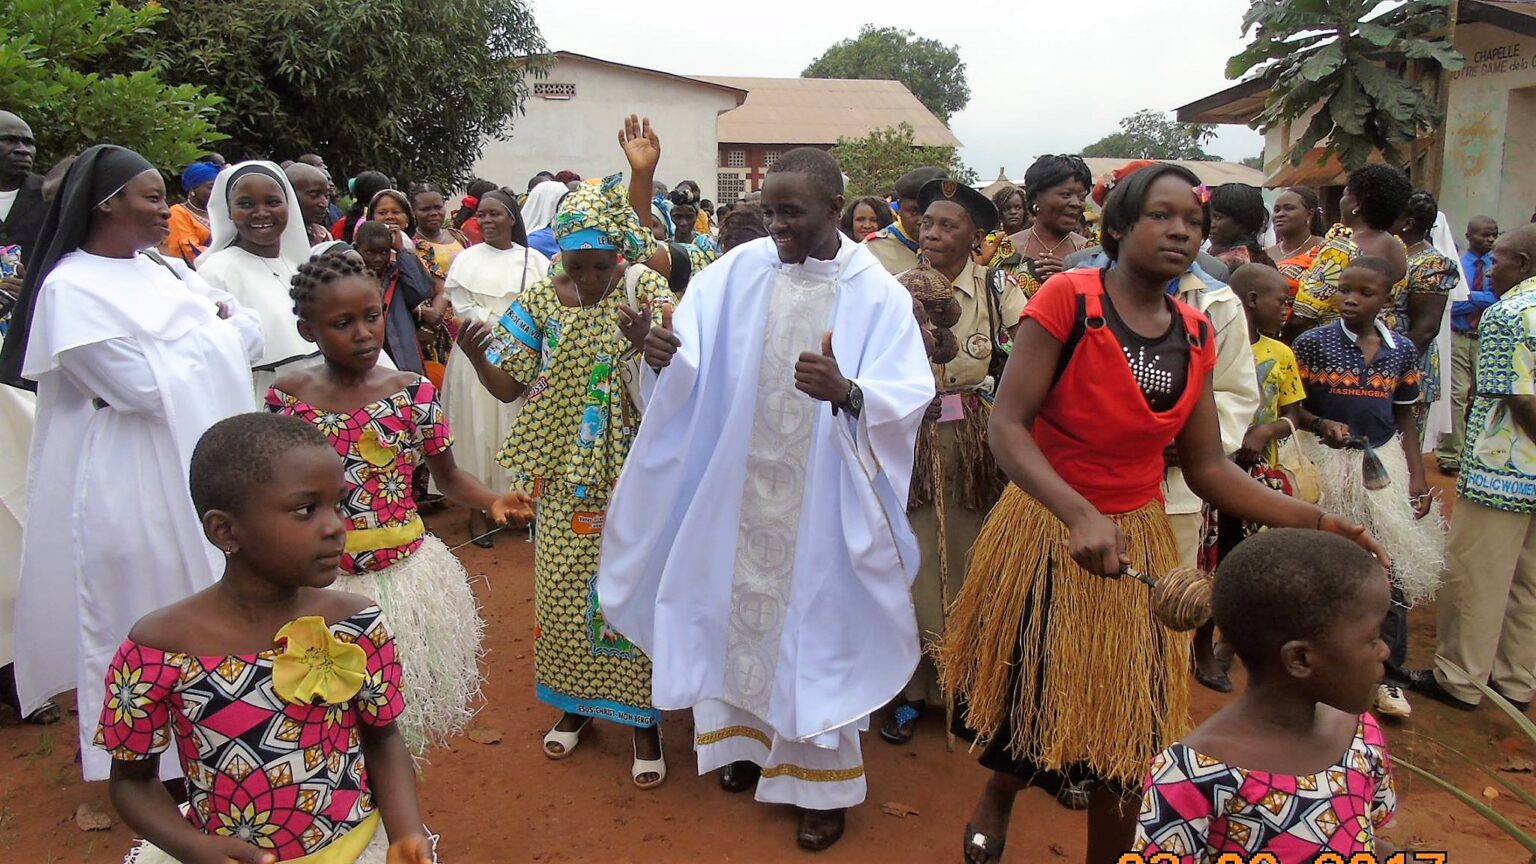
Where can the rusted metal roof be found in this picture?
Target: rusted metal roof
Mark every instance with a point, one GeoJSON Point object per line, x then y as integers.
{"type": "Point", "coordinates": [822, 110]}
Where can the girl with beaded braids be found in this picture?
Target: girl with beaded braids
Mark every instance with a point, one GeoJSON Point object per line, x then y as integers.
{"type": "Point", "coordinates": [386, 425]}
{"type": "Point", "coordinates": [560, 347]}
{"type": "Point", "coordinates": [1055, 189]}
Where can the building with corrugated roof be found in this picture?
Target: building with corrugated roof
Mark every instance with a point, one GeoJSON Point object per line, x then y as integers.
{"type": "Point", "coordinates": [781, 114]}
{"type": "Point", "coordinates": [1210, 173]}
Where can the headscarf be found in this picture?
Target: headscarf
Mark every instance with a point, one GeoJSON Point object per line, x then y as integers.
{"type": "Point", "coordinates": [599, 217]}
{"type": "Point", "coordinates": [542, 203]}
{"type": "Point", "coordinates": [96, 176]}
{"type": "Point", "coordinates": [519, 230]}
{"type": "Point", "coordinates": [294, 243]}
{"type": "Point", "coordinates": [330, 246]}
{"type": "Point", "coordinates": [197, 174]}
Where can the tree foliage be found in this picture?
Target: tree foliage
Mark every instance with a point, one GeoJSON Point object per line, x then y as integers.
{"type": "Point", "coordinates": [1353, 65]}
{"type": "Point", "coordinates": [932, 70]}
{"type": "Point", "coordinates": [1149, 134]}
{"type": "Point", "coordinates": [411, 89]}
{"type": "Point", "coordinates": [875, 162]}
{"type": "Point", "coordinates": [62, 69]}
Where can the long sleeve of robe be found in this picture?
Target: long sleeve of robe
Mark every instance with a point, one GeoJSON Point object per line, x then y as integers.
{"type": "Point", "coordinates": [847, 640]}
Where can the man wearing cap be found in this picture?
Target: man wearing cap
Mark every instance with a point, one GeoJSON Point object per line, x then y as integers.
{"type": "Point", "coordinates": [955, 479]}
{"type": "Point", "coordinates": [190, 233]}
{"type": "Point", "coordinates": [896, 245]}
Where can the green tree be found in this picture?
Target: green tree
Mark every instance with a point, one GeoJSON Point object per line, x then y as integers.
{"type": "Point", "coordinates": [874, 163]}
{"type": "Point", "coordinates": [411, 89]}
{"type": "Point", "coordinates": [932, 70]}
{"type": "Point", "coordinates": [1149, 134]}
{"type": "Point", "coordinates": [62, 70]}
{"type": "Point", "coordinates": [1355, 66]}
{"type": "Point", "coordinates": [1255, 162]}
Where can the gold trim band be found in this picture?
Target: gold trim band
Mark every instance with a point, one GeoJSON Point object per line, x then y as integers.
{"type": "Point", "coordinates": [704, 739]}
{"type": "Point", "coordinates": [816, 775]}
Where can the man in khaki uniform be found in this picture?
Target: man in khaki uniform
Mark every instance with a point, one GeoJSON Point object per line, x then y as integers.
{"type": "Point", "coordinates": [954, 465]}
{"type": "Point", "coordinates": [896, 245]}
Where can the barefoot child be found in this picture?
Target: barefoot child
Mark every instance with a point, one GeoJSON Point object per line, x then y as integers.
{"type": "Point", "coordinates": [273, 743]}
{"type": "Point", "coordinates": [1297, 765]}
{"type": "Point", "coordinates": [386, 424]}
{"type": "Point", "coordinates": [1363, 374]}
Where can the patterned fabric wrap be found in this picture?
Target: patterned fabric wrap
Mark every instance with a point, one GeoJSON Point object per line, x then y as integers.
{"type": "Point", "coordinates": [1498, 467]}
{"type": "Point", "coordinates": [1199, 809]}
{"type": "Point", "coordinates": [282, 777]}
{"type": "Point", "coordinates": [1317, 289]}
{"type": "Point", "coordinates": [1429, 272]}
{"type": "Point", "coordinates": [605, 208]}
{"type": "Point", "coordinates": [381, 444]}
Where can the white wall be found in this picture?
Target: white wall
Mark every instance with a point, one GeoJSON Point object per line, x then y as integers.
{"type": "Point", "coordinates": [582, 134]}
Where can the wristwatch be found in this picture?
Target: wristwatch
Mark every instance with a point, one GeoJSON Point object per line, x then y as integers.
{"type": "Point", "coordinates": [853, 403]}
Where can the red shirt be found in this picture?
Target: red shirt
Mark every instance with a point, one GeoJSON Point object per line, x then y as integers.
{"type": "Point", "coordinates": [1095, 426]}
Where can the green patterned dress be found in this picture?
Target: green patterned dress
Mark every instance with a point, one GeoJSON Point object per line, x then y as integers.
{"type": "Point", "coordinates": [568, 445]}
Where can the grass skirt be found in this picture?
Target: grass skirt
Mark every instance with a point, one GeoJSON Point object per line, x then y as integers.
{"type": "Point", "coordinates": [377, 852]}
{"type": "Point", "coordinates": [1072, 669]}
{"type": "Point", "coordinates": [438, 630]}
{"type": "Point", "coordinates": [1417, 546]}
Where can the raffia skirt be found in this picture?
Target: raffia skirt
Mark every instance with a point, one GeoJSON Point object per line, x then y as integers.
{"type": "Point", "coordinates": [376, 852]}
{"type": "Point", "coordinates": [1058, 674]}
{"type": "Point", "coordinates": [438, 632]}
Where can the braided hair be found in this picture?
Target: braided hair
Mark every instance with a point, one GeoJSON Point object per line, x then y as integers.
{"type": "Point", "coordinates": [320, 270]}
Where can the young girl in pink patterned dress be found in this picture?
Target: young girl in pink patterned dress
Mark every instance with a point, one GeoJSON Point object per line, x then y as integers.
{"type": "Point", "coordinates": [1294, 767]}
{"type": "Point", "coordinates": [288, 741]}
{"type": "Point", "coordinates": [385, 424]}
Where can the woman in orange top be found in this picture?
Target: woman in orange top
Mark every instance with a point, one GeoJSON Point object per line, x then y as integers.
{"type": "Point", "coordinates": [190, 234]}
{"type": "Point", "coordinates": [1298, 223]}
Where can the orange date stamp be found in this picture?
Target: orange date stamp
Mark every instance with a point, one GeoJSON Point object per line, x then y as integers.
{"type": "Point", "coordinates": [1418, 857]}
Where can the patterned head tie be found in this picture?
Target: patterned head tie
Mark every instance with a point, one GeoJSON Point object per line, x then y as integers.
{"type": "Point", "coordinates": [598, 216]}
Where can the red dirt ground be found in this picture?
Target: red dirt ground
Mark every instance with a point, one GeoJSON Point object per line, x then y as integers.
{"type": "Point", "coordinates": [505, 802]}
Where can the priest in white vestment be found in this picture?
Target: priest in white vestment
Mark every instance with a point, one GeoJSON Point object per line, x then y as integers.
{"type": "Point", "coordinates": [757, 547]}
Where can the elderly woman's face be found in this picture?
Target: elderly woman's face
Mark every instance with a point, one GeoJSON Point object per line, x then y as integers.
{"type": "Point", "coordinates": [1061, 206]}
{"type": "Point", "coordinates": [591, 269]}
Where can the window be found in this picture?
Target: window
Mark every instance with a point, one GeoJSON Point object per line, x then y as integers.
{"type": "Point", "coordinates": [770, 157]}
{"type": "Point", "coordinates": [735, 158]}
{"type": "Point", "coordinates": [552, 90]}
{"type": "Point", "coordinates": [731, 188]}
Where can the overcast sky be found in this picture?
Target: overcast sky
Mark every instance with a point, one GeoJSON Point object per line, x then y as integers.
{"type": "Point", "coordinates": [1046, 76]}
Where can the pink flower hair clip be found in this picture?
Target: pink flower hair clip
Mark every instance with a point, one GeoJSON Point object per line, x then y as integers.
{"type": "Point", "coordinates": [1203, 193]}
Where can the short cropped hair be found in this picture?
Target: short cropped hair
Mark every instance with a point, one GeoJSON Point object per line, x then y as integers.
{"type": "Point", "coordinates": [237, 453]}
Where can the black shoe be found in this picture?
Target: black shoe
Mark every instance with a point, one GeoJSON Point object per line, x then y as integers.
{"type": "Point", "coordinates": [1449, 469]}
{"type": "Point", "coordinates": [739, 776]}
{"type": "Point", "coordinates": [1522, 707]}
{"type": "Point", "coordinates": [1424, 681]}
{"type": "Point", "coordinates": [819, 829]}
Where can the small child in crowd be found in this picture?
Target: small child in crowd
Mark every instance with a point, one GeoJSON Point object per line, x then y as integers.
{"type": "Point", "coordinates": [385, 424]}
{"type": "Point", "coordinates": [281, 696]}
{"type": "Point", "coordinates": [1360, 373]}
{"type": "Point", "coordinates": [1303, 610]}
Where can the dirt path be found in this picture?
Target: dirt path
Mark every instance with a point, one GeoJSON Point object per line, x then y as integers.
{"type": "Point", "coordinates": [505, 802]}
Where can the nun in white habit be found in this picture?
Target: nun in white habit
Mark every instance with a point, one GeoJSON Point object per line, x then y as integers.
{"type": "Point", "coordinates": [133, 358]}
{"type": "Point", "coordinates": [258, 245]}
{"type": "Point", "coordinates": [481, 285]}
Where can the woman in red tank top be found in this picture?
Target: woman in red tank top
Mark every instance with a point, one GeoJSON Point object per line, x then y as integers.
{"type": "Point", "coordinates": [1059, 667]}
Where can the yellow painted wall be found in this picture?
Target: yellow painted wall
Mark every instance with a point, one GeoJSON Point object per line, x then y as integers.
{"type": "Point", "coordinates": [1490, 144]}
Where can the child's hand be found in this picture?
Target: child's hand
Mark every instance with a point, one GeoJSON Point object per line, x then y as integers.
{"type": "Point", "coordinates": [416, 849]}
{"type": "Point", "coordinates": [640, 145]}
{"type": "Point", "coordinates": [635, 323]}
{"type": "Point", "coordinates": [516, 503]}
{"type": "Point", "coordinates": [1332, 432]}
{"type": "Point", "coordinates": [1098, 546]}
{"type": "Point", "coordinates": [228, 850]}
{"type": "Point", "coordinates": [1420, 497]}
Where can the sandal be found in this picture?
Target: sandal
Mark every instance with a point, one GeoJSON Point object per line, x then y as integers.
{"type": "Point", "coordinates": [1221, 682]}
{"type": "Point", "coordinates": [981, 848]}
{"type": "Point", "coordinates": [819, 829]}
{"type": "Point", "coordinates": [1073, 795]}
{"type": "Point", "coordinates": [740, 776]}
{"type": "Point", "coordinates": [898, 728]}
{"type": "Point", "coordinates": [568, 741]}
{"type": "Point", "coordinates": [641, 767]}
{"type": "Point", "coordinates": [47, 715]}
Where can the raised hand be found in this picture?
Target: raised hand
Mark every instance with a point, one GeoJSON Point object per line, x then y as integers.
{"type": "Point", "coordinates": [635, 323]}
{"type": "Point", "coordinates": [661, 343]}
{"type": "Point", "coordinates": [817, 375]}
{"type": "Point", "coordinates": [640, 145]}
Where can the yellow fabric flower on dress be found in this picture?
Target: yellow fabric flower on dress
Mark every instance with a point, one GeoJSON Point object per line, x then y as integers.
{"type": "Point", "coordinates": [316, 667]}
{"type": "Point", "coordinates": [371, 448]}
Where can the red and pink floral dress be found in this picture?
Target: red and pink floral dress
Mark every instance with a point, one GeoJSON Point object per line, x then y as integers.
{"type": "Point", "coordinates": [282, 777]}
{"type": "Point", "coordinates": [381, 446]}
{"type": "Point", "coordinates": [1199, 808]}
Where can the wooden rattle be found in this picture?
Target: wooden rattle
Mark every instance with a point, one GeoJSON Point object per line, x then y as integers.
{"type": "Point", "coordinates": [1181, 600]}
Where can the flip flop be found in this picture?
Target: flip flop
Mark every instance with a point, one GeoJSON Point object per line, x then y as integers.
{"type": "Point", "coordinates": [568, 741]}
{"type": "Point", "coordinates": [981, 848]}
{"type": "Point", "coordinates": [898, 728]}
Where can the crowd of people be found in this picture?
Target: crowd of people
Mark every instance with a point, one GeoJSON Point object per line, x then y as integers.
{"type": "Point", "coordinates": [746, 439]}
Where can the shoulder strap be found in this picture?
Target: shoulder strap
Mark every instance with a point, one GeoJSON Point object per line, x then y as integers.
{"type": "Point", "coordinates": [1088, 292]}
{"type": "Point", "coordinates": [155, 256]}
{"type": "Point", "coordinates": [632, 276]}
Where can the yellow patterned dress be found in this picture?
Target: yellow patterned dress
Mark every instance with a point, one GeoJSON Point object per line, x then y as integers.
{"type": "Point", "coordinates": [1317, 289]}
{"type": "Point", "coordinates": [568, 444]}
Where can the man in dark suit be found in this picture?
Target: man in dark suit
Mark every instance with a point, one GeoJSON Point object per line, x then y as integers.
{"type": "Point", "coordinates": [21, 190]}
